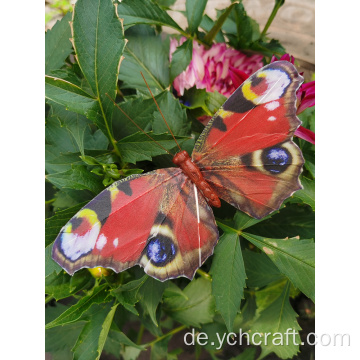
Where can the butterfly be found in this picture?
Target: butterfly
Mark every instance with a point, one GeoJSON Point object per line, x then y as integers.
{"type": "Point", "coordinates": [162, 220]}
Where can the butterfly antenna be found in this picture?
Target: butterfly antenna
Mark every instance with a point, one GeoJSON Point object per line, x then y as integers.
{"type": "Point", "coordinates": [160, 110]}
{"type": "Point", "coordinates": [138, 125]}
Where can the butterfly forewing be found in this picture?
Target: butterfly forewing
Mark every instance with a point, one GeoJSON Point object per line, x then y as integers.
{"type": "Point", "coordinates": [246, 152]}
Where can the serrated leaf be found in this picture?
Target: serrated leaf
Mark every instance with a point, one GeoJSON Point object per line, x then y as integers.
{"type": "Point", "coordinates": [58, 140]}
{"type": "Point", "coordinates": [74, 99]}
{"type": "Point", "coordinates": [194, 13]}
{"type": "Point", "coordinates": [74, 313]}
{"type": "Point", "coordinates": [181, 59]}
{"type": "Point", "coordinates": [144, 12]}
{"type": "Point", "coordinates": [307, 195]}
{"type": "Point", "coordinates": [90, 341]}
{"type": "Point", "coordinates": [150, 294]}
{"type": "Point", "coordinates": [57, 44]}
{"type": "Point", "coordinates": [60, 340]}
{"type": "Point", "coordinates": [174, 114]}
{"type": "Point", "coordinates": [78, 178]}
{"type": "Point", "coordinates": [99, 43]}
{"type": "Point", "coordinates": [127, 294]}
{"type": "Point", "coordinates": [228, 264]}
{"type": "Point", "coordinates": [248, 29]}
{"type": "Point", "coordinates": [159, 350]}
{"type": "Point", "coordinates": [293, 257]}
{"type": "Point", "coordinates": [207, 24]}
{"type": "Point", "coordinates": [149, 55]}
{"type": "Point", "coordinates": [276, 319]}
{"type": "Point", "coordinates": [260, 270]}
{"type": "Point", "coordinates": [216, 28]}
{"type": "Point", "coordinates": [50, 265]}
{"type": "Point", "coordinates": [105, 330]}
{"type": "Point", "coordinates": [54, 224]}
{"type": "Point", "coordinates": [116, 340]}
{"type": "Point", "coordinates": [196, 307]}
{"type": "Point", "coordinates": [139, 147]}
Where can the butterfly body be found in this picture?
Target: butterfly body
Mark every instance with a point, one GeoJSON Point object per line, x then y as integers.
{"type": "Point", "coordinates": [183, 160]}
{"type": "Point", "coordinates": [162, 220]}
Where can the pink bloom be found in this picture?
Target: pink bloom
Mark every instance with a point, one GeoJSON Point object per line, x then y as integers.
{"type": "Point", "coordinates": [306, 96]}
{"type": "Point", "coordinates": [286, 57]}
{"type": "Point", "coordinates": [209, 69]}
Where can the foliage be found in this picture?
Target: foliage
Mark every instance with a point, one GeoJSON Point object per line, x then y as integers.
{"type": "Point", "coordinates": [258, 265]}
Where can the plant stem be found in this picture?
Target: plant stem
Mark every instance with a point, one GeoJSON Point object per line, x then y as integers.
{"type": "Point", "coordinates": [170, 333]}
{"type": "Point", "coordinates": [204, 274]}
{"type": "Point", "coordinates": [140, 334]}
{"type": "Point", "coordinates": [48, 299]}
{"type": "Point", "coordinates": [277, 6]}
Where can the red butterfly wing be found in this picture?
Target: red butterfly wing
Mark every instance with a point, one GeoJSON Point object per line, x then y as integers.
{"type": "Point", "coordinates": [149, 220]}
{"type": "Point", "coordinates": [246, 152]}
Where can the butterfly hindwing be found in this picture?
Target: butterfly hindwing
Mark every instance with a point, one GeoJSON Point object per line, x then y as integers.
{"type": "Point", "coordinates": [147, 220]}
{"type": "Point", "coordinates": [246, 152]}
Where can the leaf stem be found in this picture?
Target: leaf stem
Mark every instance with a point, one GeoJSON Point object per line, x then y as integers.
{"type": "Point", "coordinates": [203, 274]}
{"type": "Point", "coordinates": [140, 334]}
{"type": "Point", "coordinates": [277, 6]}
{"type": "Point", "coordinates": [48, 299]}
{"type": "Point", "coordinates": [170, 333]}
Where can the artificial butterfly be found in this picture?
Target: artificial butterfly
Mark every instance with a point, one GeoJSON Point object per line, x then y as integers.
{"type": "Point", "coordinates": [162, 220]}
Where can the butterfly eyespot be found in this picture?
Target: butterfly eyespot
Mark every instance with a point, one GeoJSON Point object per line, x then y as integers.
{"type": "Point", "coordinates": [161, 250]}
{"type": "Point", "coordinates": [276, 160]}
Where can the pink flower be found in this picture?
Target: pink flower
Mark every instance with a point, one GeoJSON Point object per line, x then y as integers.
{"type": "Point", "coordinates": [209, 69]}
{"type": "Point", "coordinates": [306, 96]}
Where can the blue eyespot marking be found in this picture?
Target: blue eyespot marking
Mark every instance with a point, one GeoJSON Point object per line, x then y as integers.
{"type": "Point", "coordinates": [276, 160]}
{"type": "Point", "coordinates": [161, 250]}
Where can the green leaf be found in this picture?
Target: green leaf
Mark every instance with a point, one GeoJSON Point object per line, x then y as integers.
{"type": "Point", "coordinates": [79, 128]}
{"type": "Point", "coordinates": [174, 114]}
{"type": "Point", "coordinates": [99, 43]}
{"type": "Point", "coordinates": [74, 99]}
{"type": "Point", "coordinates": [293, 257]}
{"type": "Point", "coordinates": [50, 265]}
{"type": "Point", "coordinates": [181, 59]}
{"type": "Point", "coordinates": [57, 44]}
{"type": "Point", "coordinates": [194, 13]}
{"type": "Point", "coordinates": [260, 270]}
{"type": "Point", "coordinates": [145, 12]}
{"type": "Point", "coordinates": [247, 354]}
{"type": "Point", "coordinates": [228, 264]}
{"type": "Point", "coordinates": [159, 350]}
{"type": "Point", "coordinates": [127, 294]}
{"type": "Point", "coordinates": [195, 307]}
{"type": "Point", "coordinates": [74, 313]}
{"type": "Point", "coordinates": [78, 178]}
{"type": "Point", "coordinates": [91, 340]}
{"type": "Point", "coordinates": [58, 140]}
{"type": "Point", "coordinates": [210, 36]}
{"type": "Point", "coordinates": [307, 195]}
{"type": "Point", "coordinates": [149, 55]}
{"type": "Point", "coordinates": [105, 330]}
{"type": "Point", "coordinates": [150, 295]}
{"type": "Point", "coordinates": [207, 24]}
{"type": "Point", "coordinates": [139, 147]}
{"type": "Point", "coordinates": [248, 29]}
{"type": "Point", "coordinates": [116, 341]}
{"type": "Point", "coordinates": [276, 319]}
{"type": "Point", "coordinates": [293, 220]}
{"type": "Point", "coordinates": [60, 340]}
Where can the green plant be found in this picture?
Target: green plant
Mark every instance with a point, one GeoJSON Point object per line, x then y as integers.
{"type": "Point", "coordinates": [89, 145]}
